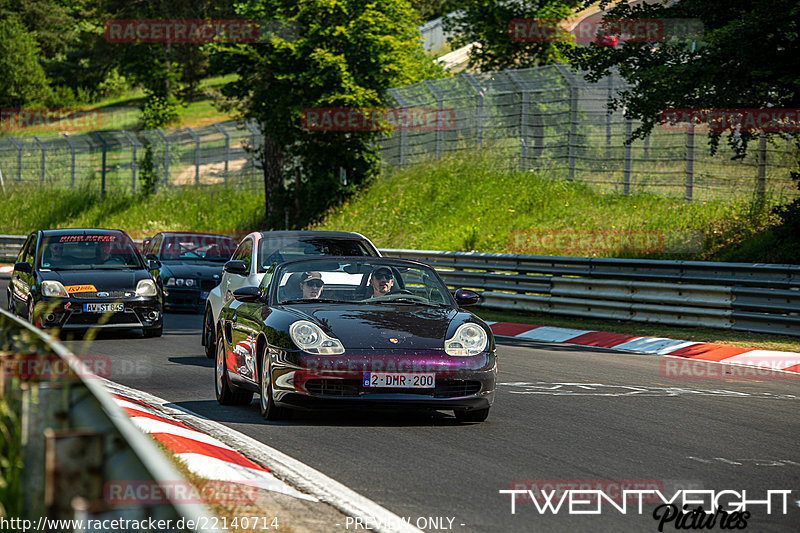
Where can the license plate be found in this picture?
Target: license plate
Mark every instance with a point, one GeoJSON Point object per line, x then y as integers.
{"type": "Point", "coordinates": [103, 308]}
{"type": "Point", "coordinates": [399, 380]}
{"type": "Point", "coordinates": [203, 296]}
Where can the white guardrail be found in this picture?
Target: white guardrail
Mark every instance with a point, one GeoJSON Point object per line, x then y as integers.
{"type": "Point", "coordinates": [76, 442]}
{"type": "Point", "coordinates": [742, 296]}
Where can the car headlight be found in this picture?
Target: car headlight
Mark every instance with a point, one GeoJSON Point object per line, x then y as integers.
{"type": "Point", "coordinates": [310, 338]}
{"type": "Point", "coordinates": [469, 339]}
{"type": "Point", "coordinates": [53, 289]}
{"type": "Point", "coordinates": [181, 282]}
{"type": "Point", "coordinates": [146, 287]}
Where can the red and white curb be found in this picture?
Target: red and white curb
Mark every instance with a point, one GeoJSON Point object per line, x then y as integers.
{"type": "Point", "coordinates": [6, 269]}
{"type": "Point", "coordinates": [203, 455]}
{"type": "Point", "coordinates": [703, 351]}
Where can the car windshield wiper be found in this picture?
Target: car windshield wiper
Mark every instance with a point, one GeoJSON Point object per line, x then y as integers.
{"type": "Point", "coordinates": [403, 300]}
{"type": "Point", "coordinates": [311, 301]}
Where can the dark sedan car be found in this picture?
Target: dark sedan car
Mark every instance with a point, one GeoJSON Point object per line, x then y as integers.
{"type": "Point", "coordinates": [354, 331]}
{"type": "Point", "coordinates": [82, 278]}
{"type": "Point", "coordinates": [191, 265]}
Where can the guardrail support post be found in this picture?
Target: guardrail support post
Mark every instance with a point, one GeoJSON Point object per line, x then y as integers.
{"type": "Point", "coordinates": [626, 175]}
{"type": "Point", "coordinates": [689, 161]}
{"type": "Point", "coordinates": [196, 155]}
{"type": "Point", "coordinates": [133, 160]}
{"type": "Point", "coordinates": [72, 165]}
{"type": "Point", "coordinates": [41, 146]}
{"type": "Point", "coordinates": [103, 169]}
{"type": "Point", "coordinates": [19, 157]}
{"type": "Point", "coordinates": [761, 180]}
{"type": "Point", "coordinates": [166, 157]}
{"type": "Point", "coordinates": [227, 149]}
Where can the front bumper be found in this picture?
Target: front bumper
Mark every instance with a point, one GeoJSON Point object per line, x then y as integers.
{"type": "Point", "coordinates": [69, 313]}
{"type": "Point", "coordinates": [339, 381]}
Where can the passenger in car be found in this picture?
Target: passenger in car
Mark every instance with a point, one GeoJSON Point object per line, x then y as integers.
{"type": "Point", "coordinates": [311, 284]}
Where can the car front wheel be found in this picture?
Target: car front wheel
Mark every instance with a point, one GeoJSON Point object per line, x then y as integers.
{"type": "Point", "coordinates": [208, 334]}
{"type": "Point", "coordinates": [225, 394]}
{"type": "Point", "coordinates": [267, 406]}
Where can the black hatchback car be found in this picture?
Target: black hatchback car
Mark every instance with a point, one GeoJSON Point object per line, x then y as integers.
{"type": "Point", "coordinates": [82, 278]}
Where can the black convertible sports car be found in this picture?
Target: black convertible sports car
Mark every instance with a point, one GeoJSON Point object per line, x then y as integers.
{"type": "Point", "coordinates": [191, 265]}
{"type": "Point", "coordinates": [349, 331]}
{"type": "Point", "coordinates": [82, 278]}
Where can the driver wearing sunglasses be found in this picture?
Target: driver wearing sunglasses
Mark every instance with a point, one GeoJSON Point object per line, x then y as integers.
{"type": "Point", "coordinates": [382, 281]}
{"type": "Point", "coordinates": [311, 284]}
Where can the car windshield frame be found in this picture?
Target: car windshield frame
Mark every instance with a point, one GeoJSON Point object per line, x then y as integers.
{"type": "Point", "coordinates": [126, 252]}
{"type": "Point", "coordinates": [202, 240]}
{"type": "Point", "coordinates": [362, 266]}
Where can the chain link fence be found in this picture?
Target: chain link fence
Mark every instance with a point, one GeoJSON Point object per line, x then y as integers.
{"type": "Point", "coordinates": [550, 119]}
{"type": "Point", "coordinates": [114, 160]}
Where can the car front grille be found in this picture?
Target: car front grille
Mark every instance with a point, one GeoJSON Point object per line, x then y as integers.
{"type": "Point", "coordinates": [112, 295]}
{"type": "Point", "coordinates": [353, 388]}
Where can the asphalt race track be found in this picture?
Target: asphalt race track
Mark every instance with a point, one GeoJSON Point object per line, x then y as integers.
{"type": "Point", "coordinates": [561, 414]}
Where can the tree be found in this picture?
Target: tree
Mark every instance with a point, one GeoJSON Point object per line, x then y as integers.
{"type": "Point", "coordinates": [486, 22]}
{"type": "Point", "coordinates": [329, 53]}
{"type": "Point", "coordinates": [23, 80]}
{"type": "Point", "coordinates": [748, 56]}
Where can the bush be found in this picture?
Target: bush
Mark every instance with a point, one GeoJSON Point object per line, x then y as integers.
{"type": "Point", "coordinates": [158, 111]}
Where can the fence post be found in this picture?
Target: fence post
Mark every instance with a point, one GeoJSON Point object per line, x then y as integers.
{"type": "Point", "coordinates": [35, 138]}
{"type": "Point", "coordinates": [573, 118]}
{"type": "Point", "coordinates": [689, 161]}
{"type": "Point", "coordinates": [609, 115]}
{"type": "Point", "coordinates": [523, 119]}
{"type": "Point", "coordinates": [439, 106]}
{"type": "Point", "coordinates": [133, 160]}
{"type": "Point", "coordinates": [403, 138]}
{"type": "Point", "coordinates": [19, 157]}
{"type": "Point", "coordinates": [647, 146]}
{"type": "Point", "coordinates": [479, 93]}
{"type": "Point", "coordinates": [626, 176]}
{"type": "Point", "coordinates": [166, 157]}
{"type": "Point", "coordinates": [761, 180]}
{"type": "Point", "coordinates": [103, 169]}
{"type": "Point", "coordinates": [72, 166]}
{"type": "Point", "coordinates": [196, 155]}
{"type": "Point", "coordinates": [254, 132]}
{"type": "Point", "coordinates": [227, 149]}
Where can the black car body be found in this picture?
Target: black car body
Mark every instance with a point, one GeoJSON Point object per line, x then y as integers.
{"type": "Point", "coordinates": [191, 266]}
{"type": "Point", "coordinates": [412, 346]}
{"type": "Point", "coordinates": [82, 278]}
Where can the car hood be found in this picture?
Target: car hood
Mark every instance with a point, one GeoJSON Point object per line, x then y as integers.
{"type": "Point", "coordinates": [102, 280]}
{"type": "Point", "coordinates": [195, 269]}
{"type": "Point", "coordinates": [385, 326]}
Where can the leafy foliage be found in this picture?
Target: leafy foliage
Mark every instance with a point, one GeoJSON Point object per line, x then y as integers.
{"type": "Point", "coordinates": [23, 79]}
{"type": "Point", "coordinates": [486, 22]}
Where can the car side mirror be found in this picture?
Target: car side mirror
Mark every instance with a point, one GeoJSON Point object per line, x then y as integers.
{"type": "Point", "coordinates": [153, 264]}
{"type": "Point", "coordinates": [235, 266]}
{"type": "Point", "coordinates": [24, 267]}
{"type": "Point", "coordinates": [248, 295]}
{"type": "Point", "coordinates": [151, 255]}
{"type": "Point", "coordinates": [466, 297]}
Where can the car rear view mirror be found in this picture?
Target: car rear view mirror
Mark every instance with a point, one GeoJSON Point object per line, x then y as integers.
{"type": "Point", "coordinates": [466, 297]}
{"type": "Point", "coordinates": [235, 266]}
{"type": "Point", "coordinates": [248, 295]}
{"type": "Point", "coordinates": [23, 267]}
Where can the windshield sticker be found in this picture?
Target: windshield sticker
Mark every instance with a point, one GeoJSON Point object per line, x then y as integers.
{"type": "Point", "coordinates": [72, 289]}
{"type": "Point", "coordinates": [87, 238]}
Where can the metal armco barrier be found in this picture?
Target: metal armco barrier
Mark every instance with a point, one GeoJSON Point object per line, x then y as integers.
{"type": "Point", "coordinates": [740, 296]}
{"type": "Point", "coordinates": [77, 443]}
{"type": "Point", "coordinates": [10, 246]}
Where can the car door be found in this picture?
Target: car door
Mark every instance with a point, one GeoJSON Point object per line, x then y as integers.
{"type": "Point", "coordinates": [22, 282]}
{"type": "Point", "coordinates": [246, 322]}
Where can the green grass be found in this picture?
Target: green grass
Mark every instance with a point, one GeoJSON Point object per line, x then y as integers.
{"type": "Point", "coordinates": [734, 338]}
{"type": "Point", "coordinates": [214, 209]}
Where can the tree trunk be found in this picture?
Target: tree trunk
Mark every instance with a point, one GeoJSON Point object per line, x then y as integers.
{"type": "Point", "coordinates": [272, 163]}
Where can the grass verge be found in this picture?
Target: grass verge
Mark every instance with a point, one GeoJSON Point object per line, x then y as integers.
{"type": "Point", "coordinates": [733, 338]}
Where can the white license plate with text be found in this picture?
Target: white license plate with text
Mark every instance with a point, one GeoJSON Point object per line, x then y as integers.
{"type": "Point", "coordinates": [399, 380]}
{"type": "Point", "coordinates": [104, 308]}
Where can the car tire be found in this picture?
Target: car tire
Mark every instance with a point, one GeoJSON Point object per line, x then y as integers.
{"type": "Point", "coordinates": [10, 302]}
{"type": "Point", "coordinates": [208, 334]}
{"type": "Point", "coordinates": [473, 415]}
{"type": "Point", "coordinates": [269, 411]}
{"type": "Point", "coordinates": [224, 391]}
{"type": "Point", "coordinates": [156, 331]}
{"type": "Point", "coordinates": [30, 312]}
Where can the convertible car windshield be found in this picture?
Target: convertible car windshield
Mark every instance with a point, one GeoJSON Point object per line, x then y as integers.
{"type": "Point", "coordinates": [87, 251]}
{"type": "Point", "coordinates": [371, 280]}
